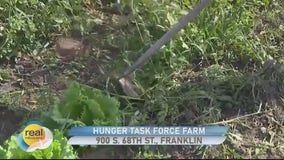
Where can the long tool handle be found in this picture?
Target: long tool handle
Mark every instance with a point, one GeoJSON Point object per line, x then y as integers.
{"type": "Point", "coordinates": [167, 36]}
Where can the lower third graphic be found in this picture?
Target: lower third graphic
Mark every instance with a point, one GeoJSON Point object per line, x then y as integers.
{"type": "Point", "coordinates": [34, 136]}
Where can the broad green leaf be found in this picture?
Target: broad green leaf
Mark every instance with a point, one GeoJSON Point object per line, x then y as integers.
{"type": "Point", "coordinates": [110, 107]}
{"type": "Point", "coordinates": [225, 98]}
{"type": "Point", "coordinates": [72, 93]}
{"type": "Point", "coordinates": [56, 144]}
{"type": "Point", "coordinates": [86, 116]}
{"type": "Point", "coordinates": [34, 2]}
{"type": "Point", "coordinates": [95, 109]}
{"type": "Point", "coordinates": [3, 152]}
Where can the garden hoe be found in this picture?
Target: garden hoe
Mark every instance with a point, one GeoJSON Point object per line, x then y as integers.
{"type": "Point", "coordinates": [125, 82]}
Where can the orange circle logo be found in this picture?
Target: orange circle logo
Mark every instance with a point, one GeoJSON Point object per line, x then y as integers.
{"type": "Point", "coordinates": [33, 133]}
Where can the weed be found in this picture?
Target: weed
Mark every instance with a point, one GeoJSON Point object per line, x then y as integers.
{"type": "Point", "coordinates": [213, 69]}
{"type": "Point", "coordinates": [27, 26]}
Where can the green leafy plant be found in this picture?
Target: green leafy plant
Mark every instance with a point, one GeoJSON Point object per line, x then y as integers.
{"type": "Point", "coordinates": [58, 149]}
{"type": "Point", "coordinates": [151, 155]}
{"type": "Point", "coordinates": [4, 74]}
{"type": "Point", "coordinates": [26, 26]}
{"type": "Point", "coordinates": [83, 105]}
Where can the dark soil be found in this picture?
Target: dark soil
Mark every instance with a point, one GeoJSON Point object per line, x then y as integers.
{"type": "Point", "coordinates": [10, 122]}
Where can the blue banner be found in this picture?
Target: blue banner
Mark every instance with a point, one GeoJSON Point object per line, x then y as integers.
{"type": "Point", "coordinates": [148, 131]}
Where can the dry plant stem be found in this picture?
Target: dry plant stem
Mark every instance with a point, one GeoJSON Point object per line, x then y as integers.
{"type": "Point", "coordinates": [241, 117]}
{"type": "Point", "coordinates": [167, 37]}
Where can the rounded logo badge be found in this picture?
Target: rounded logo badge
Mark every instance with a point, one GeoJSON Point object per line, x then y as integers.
{"type": "Point", "coordinates": [35, 136]}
